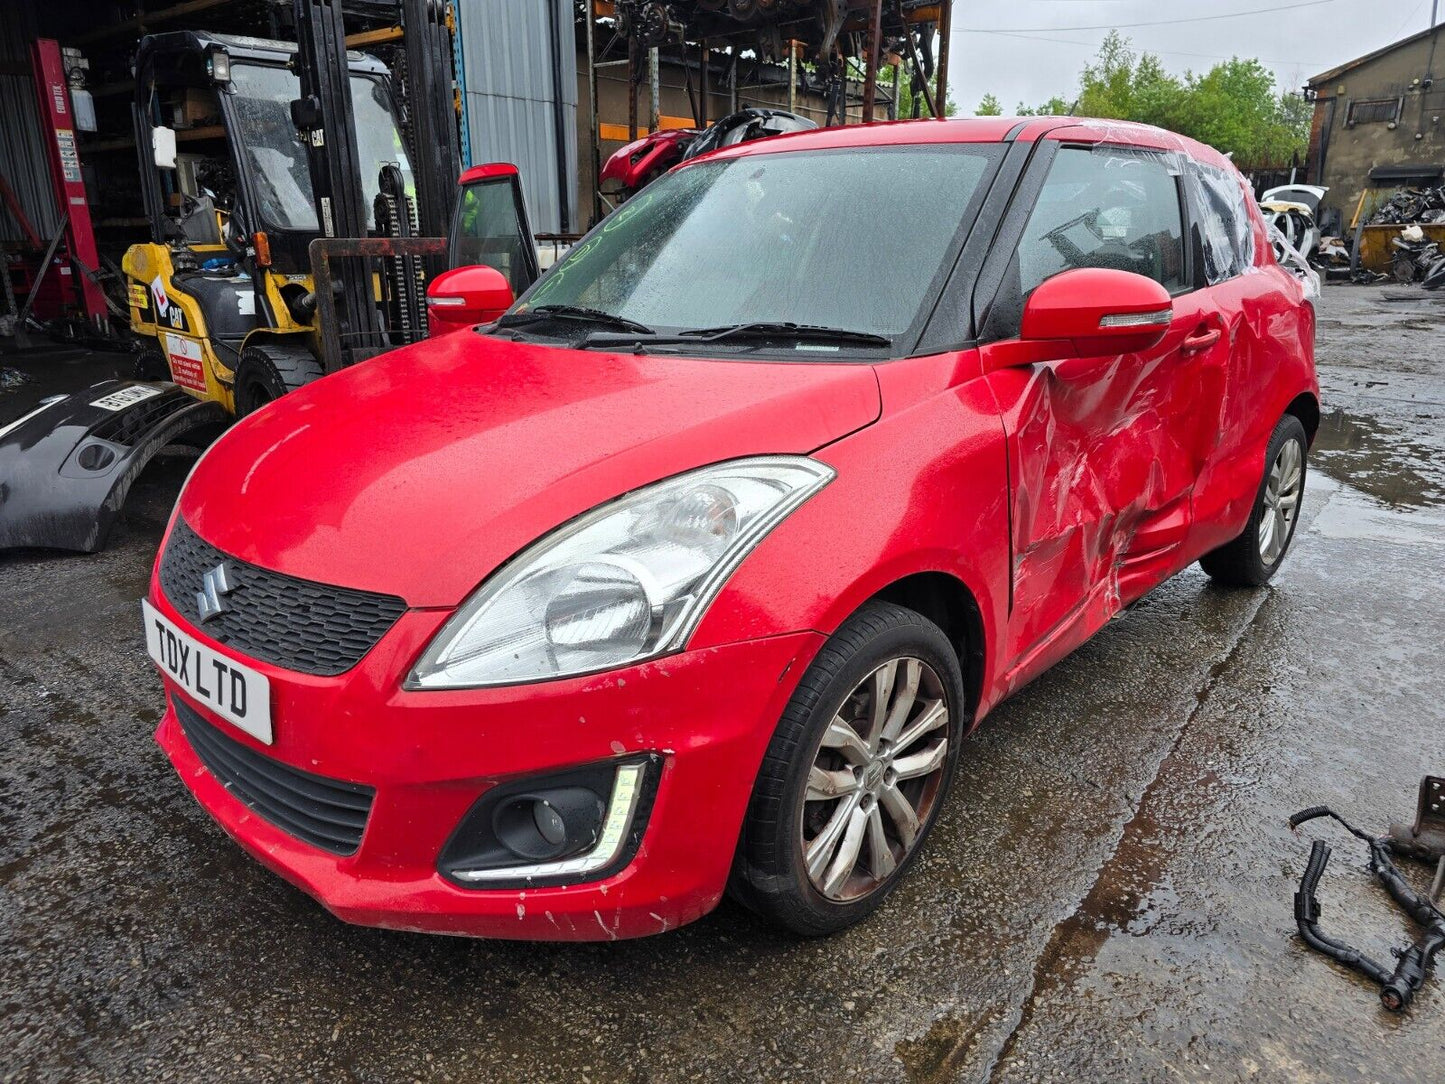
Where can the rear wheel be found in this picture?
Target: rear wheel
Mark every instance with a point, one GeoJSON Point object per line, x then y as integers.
{"type": "Point", "coordinates": [268, 372]}
{"type": "Point", "coordinates": [1254, 557]}
{"type": "Point", "coordinates": [856, 773]}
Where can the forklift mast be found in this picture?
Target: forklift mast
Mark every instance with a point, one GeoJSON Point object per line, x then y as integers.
{"type": "Point", "coordinates": [431, 112]}
{"type": "Point", "coordinates": [322, 116]}
{"type": "Point", "coordinates": [429, 122]}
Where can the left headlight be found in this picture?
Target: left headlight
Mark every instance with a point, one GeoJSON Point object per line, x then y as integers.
{"type": "Point", "coordinates": [625, 582]}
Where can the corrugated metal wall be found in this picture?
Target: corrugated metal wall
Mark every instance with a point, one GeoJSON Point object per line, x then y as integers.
{"type": "Point", "coordinates": [508, 64]}
{"type": "Point", "coordinates": [22, 139]}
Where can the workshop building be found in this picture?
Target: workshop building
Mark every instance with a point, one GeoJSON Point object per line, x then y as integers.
{"type": "Point", "coordinates": [1377, 126]}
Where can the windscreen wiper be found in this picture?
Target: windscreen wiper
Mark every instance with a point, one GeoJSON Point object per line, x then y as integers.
{"type": "Point", "coordinates": [574, 312]}
{"type": "Point", "coordinates": [771, 330]}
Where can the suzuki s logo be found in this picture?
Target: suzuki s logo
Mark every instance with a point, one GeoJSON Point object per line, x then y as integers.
{"type": "Point", "coordinates": [215, 586]}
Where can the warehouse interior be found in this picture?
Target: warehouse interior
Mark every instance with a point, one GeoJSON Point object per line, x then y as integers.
{"type": "Point", "coordinates": [71, 193]}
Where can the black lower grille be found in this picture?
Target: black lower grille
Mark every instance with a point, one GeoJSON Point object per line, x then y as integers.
{"type": "Point", "coordinates": [310, 627]}
{"type": "Point", "coordinates": [325, 813]}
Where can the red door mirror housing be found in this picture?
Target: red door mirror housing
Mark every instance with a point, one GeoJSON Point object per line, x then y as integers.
{"type": "Point", "coordinates": [466, 296]}
{"type": "Point", "coordinates": [1094, 312]}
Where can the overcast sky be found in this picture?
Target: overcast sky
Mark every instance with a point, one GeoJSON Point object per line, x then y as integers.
{"type": "Point", "coordinates": [1035, 48]}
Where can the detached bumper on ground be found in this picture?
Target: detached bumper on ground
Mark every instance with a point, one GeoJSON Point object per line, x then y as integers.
{"type": "Point", "coordinates": [706, 717]}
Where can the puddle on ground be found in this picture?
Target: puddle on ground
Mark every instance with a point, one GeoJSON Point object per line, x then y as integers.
{"type": "Point", "coordinates": [941, 1054]}
{"type": "Point", "coordinates": [1346, 513]}
{"type": "Point", "coordinates": [1385, 461]}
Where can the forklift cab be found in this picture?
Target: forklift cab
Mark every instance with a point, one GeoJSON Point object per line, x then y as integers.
{"type": "Point", "coordinates": [491, 256]}
{"type": "Point", "coordinates": [228, 195]}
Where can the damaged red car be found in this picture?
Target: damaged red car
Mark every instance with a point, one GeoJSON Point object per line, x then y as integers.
{"type": "Point", "coordinates": [692, 572]}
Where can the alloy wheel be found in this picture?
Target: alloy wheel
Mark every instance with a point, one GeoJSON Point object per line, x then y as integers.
{"type": "Point", "coordinates": [1281, 501]}
{"type": "Point", "coordinates": [875, 779]}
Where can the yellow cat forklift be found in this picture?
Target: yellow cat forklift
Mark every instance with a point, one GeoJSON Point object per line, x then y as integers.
{"type": "Point", "coordinates": [251, 151]}
{"type": "Point", "coordinates": [221, 297]}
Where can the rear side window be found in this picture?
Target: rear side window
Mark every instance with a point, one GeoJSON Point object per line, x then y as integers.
{"type": "Point", "coordinates": [1222, 226]}
{"type": "Point", "coordinates": [1106, 207]}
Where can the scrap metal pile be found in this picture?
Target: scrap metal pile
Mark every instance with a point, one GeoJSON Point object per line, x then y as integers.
{"type": "Point", "coordinates": [1411, 205]}
{"type": "Point", "coordinates": [1417, 259]}
{"type": "Point", "coordinates": [822, 26]}
{"type": "Point", "coordinates": [1414, 257]}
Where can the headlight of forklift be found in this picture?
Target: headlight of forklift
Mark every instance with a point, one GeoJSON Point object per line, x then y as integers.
{"type": "Point", "coordinates": [625, 582]}
{"type": "Point", "coordinates": [218, 61]}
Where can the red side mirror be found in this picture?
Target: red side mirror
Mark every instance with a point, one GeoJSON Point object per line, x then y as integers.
{"type": "Point", "coordinates": [465, 296]}
{"type": "Point", "coordinates": [1098, 311]}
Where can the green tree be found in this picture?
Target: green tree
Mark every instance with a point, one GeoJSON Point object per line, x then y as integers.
{"type": "Point", "coordinates": [1054, 107]}
{"type": "Point", "coordinates": [1234, 106]}
{"type": "Point", "coordinates": [989, 107]}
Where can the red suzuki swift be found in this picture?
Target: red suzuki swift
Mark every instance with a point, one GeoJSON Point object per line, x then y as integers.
{"type": "Point", "coordinates": [692, 572]}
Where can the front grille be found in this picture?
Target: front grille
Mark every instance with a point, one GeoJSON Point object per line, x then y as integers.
{"type": "Point", "coordinates": [325, 813]}
{"type": "Point", "coordinates": [310, 627]}
{"type": "Point", "coordinates": [126, 426]}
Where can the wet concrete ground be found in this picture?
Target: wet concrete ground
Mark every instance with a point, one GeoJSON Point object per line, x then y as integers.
{"type": "Point", "coordinates": [1107, 898]}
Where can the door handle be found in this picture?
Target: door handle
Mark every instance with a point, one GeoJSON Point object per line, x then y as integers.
{"type": "Point", "coordinates": [1200, 340]}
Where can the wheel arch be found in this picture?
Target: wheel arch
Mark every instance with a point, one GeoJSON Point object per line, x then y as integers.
{"type": "Point", "coordinates": [270, 336]}
{"type": "Point", "coordinates": [1306, 408]}
{"type": "Point", "coordinates": [947, 601]}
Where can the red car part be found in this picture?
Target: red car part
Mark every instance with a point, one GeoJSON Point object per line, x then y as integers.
{"type": "Point", "coordinates": [491, 256]}
{"type": "Point", "coordinates": [631, 167]}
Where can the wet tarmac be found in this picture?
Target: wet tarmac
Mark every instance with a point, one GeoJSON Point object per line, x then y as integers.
{"type": "Point", "coordinates": [1107, 898]}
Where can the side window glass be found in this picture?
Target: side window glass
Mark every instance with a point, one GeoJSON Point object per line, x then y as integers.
{"type": "Point", "coordinates": [488, 231]}
{"type": "Point", "coordinates": [1106, 207]}
{"type": "Point", "coordinates": [1222, 221]}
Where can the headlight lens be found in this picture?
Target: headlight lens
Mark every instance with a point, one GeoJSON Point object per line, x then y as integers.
{"type": "Point", "coordinates": [625, 582]}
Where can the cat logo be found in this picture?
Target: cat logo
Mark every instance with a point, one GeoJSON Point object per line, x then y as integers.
{"type": "Point", "coordinates": [167, 311]}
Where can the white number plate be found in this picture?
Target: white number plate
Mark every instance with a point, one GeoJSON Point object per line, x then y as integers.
{"type": "Point", "coordinates": [119, 400]}
{"type": "Point", "coordinates": [231, 689]}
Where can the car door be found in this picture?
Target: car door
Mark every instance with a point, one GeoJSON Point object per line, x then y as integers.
{"type": "Point", "coordinates": [1103, 452]}
{"type": "Point", "coordinates": [1245, 289]}
{"type": "Point", "coordinates": [489, 225]}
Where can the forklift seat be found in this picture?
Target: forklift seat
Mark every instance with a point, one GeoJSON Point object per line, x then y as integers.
{"type": "Point", "coordinates": [198, 221]}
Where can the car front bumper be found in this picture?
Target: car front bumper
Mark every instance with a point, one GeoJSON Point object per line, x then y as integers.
{"type": "Point", "coordinates": [708, 715]}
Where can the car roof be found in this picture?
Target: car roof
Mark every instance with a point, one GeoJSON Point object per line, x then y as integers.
{"type": "Point", "coordinates": [979, 130]}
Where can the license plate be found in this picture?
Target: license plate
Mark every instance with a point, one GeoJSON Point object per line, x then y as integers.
{"type": "Point", "coordinates": [231, 689]}
{"type": "Point", "coordinates": [119, 400]}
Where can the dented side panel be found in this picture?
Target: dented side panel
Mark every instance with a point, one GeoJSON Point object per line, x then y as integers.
{"type": "Point", "coordinates": [1123, 470]}
{"type": "Point", "coordinates": [1103, 456]}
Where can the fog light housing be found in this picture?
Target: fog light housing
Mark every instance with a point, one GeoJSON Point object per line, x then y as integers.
{"type": "Point", "coordinates": [569, 828]}
{"type": "Point", "coordinates": [549, 824]}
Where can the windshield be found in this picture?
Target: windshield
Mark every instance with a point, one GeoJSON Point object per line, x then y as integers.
{"type": "Point", "coordinates": [275, 158]}
{"type": "Point", "coordinates": [851, 239]}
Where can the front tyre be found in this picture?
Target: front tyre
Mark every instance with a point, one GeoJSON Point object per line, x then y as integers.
{"type": "Point", "coordinates": [265, 373]}
{"type": "Point", "coordinates": [856, 773]}
{"type": "Point", "coordinates": [1254, 557]}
